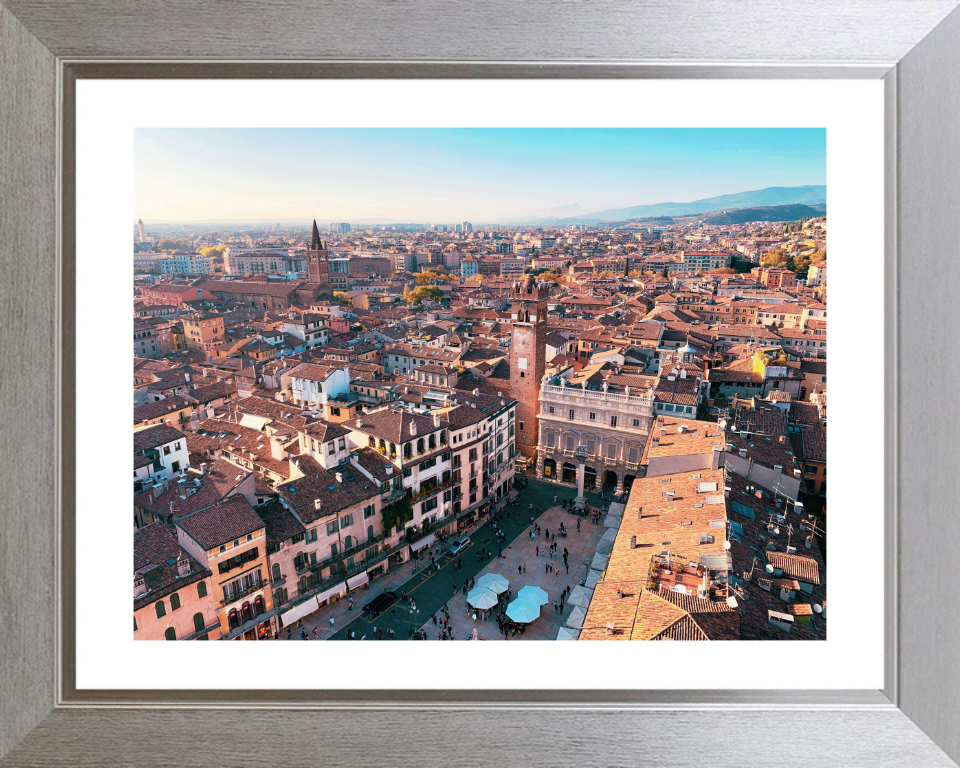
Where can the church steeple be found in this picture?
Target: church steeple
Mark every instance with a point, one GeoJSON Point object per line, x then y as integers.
{"type": "Point", "coordinates": [315, 243]}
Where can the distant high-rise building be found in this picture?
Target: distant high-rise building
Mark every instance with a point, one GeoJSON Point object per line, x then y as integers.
{"type": "Point", "coordinates": [459, 228]}
{"type": "Point", "coordinates": [467, 226]}
{"type": "Point", "coordinates": [142, 230]}
{"type": "Point", "coordinates": [318, 263]}
{"type": "Point", "coordinates": [341, 228]}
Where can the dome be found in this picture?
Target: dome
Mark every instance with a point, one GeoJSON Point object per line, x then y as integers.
{"type": "Point", "coordinates": [686, 349]}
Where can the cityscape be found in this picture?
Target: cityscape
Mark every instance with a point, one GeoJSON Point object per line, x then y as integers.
{"type": "Point", "coordinates": [535, 420]}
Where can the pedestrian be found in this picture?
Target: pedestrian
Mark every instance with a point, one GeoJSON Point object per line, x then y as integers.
{"type": "Point", "coordinates": [519, 569]}
{"type": "Point", "coordinates": [434, 619]}
{"type": "Point", "coordinates": [300, 624]}
{"type": "Point", "coordinates": [546, 533]}
{"type": "Point", "coordinates": [556, 607]}
{"type": "Point", "coordinates": [567, 566]}
{"type": "Point", "coordinates": [374, 629]}
{"type": "Point", "coordinates": [380, 635]}
{"type": "Point", "coordinates": [390, 632]}
{"type": "Point", "coordinates": [546, 568]}
{"type": "Point", "coordinates": [331, 622]}
{"type": "Point", "coordinates": [314, 631]}
{"type": "Point", "coordinates": [524, 567]}
{"type": "Point", "coordinates": [538, 550]}
{"type": "Point", "coordinates": [578, 526]}
{"type": "Point", "coordinates": [288, 633]}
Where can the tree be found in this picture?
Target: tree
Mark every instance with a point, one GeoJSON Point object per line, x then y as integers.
{"type": "Point", "coordinates": [343, 298]}
{"type": "Point", "coordinates": [740, 266]}
{"type": "Point", "coordinates": [775, 258]}
{"type": "Point", "coordinates": [666, 272]}
{"type": "Point", "coordinates": [426, 276]}
{"type": "Point", "coordinates": [723, 271]}
{"type": "Point", "coordinates": [419, 294]}
{"type": "Point", "coordinates": [174, 245]}
{"type": "Point", "coordinates": [213, 251]}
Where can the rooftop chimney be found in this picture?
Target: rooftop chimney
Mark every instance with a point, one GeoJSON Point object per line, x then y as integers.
{"type": "Point", "coordinates": [476, 392]}
{"type": "Point", "coordinates": [183, 566]}
{"type": "Point", "coordinates": [436, 420]}
{"type": "Point", "coordinates": [203, 468]}
{"type": "Point", "coordinates": [339, 476]}
{"type": "Point", "coordinates": [317, 503]}
{"type": "Point", "coordinates": [413, 428]}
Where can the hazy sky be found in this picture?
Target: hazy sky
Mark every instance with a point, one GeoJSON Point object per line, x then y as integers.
{"type": "Point", "coordinates": [445, 175]}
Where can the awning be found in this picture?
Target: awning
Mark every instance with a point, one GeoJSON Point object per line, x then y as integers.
{"type": "Point", "coordinates": [327, 594]}
{"type": "Point", "coordinates": [299, 611]}
{"type": "Point", "coordinates": [425, 542]}
{"type": "Point", "coordinates": [357, 581]}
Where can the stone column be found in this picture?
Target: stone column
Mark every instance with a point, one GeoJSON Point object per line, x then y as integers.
{"type": "Point", "coordinates": [580, 475]}
{"type": "Point", "coordinates": [620, 476]}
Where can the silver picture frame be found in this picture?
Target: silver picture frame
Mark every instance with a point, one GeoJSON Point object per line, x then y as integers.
{"type": "Point", "coordinates": [912, 45]}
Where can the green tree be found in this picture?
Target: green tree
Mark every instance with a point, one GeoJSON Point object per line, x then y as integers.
{"type": "Point", "coordinates": [343, 298]}
{"type": "Point", "coordinates": [666, 272]}
{"type": "Point", "coordinates": [213, 251]}
{"type": "Point", "coordinates": [174, 245]}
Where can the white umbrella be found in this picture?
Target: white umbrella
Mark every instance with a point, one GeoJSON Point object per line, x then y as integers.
{"type": "Point", "coordinates": [610, 536]}
{"type": "Point", "coordinates": [481, 597]}
{"type": "Point", "coordinates": [575, 619]}
{"type": "Point", "coordinates": [604, 547]}
{"type": "Point", "coordinates": [523, 611]}
{"type": "Point", "coordinates": [611, 522]}
{"type": "Point", "coordinates": [567, 634]}
{"type": "Point", "coordinates": [534, 595]}
{"type": "Point", "coordinates": [592, 578]}
{"type": "Point", "coordinates": [599, 562]}
{"type": "Point", "coordinates": [580, 596]}
{"type": "Point", "coordinates": [494, 582]}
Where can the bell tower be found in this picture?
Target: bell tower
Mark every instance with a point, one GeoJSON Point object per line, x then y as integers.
{"type": "Point", "coordinates": [528, 352]}
{"type": "Point", "coordinates": [318, 266]}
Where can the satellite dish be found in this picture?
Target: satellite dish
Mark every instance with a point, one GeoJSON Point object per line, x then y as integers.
{"type": "Point", "coordinates": [769, 568]}
{"type": "Point", "coordinates": [732, 601]}
{"type": "Point", "coordinates": [817, 608]}
{"type": "Point", "coordinates": [776, 531]}
{"type": "Point", "coordinates": [726, 545]}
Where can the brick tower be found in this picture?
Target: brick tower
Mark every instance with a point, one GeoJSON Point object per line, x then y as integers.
{"type": "Point", "coordinates": [528, 352]}
{"type": "Point", "coordinates": [318, 267]}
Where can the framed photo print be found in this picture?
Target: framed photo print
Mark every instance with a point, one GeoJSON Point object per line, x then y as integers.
{"type": "Point", "coordinates": [456, 336]}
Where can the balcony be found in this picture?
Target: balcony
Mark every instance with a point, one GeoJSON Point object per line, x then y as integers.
{"type": "Point", "coordinates": [242, 594]}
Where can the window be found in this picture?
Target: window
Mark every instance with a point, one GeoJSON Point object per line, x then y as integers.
{"type": "Point", "coordinates": [175, 467]}
{"type": "Point", "coordinates": [331, 527]}
{"type": "Point", "coordinates": [174, 601]}
{"type": "Point", "coordinates": [591, 446]}
{"type": "Point", "coordinates": [570, 442]}
{"type": "Point", "coordinates": [551, 409]}
{"type": "Point", "coordinates": [161, 609]}
{"type": "Point", "coordinates": [633, 456]}
{"type": "Point", "coordinates": [198, 622]}
{"type": "Point", "coordinates": [572, 414]}
{"type": "Point", "coordinates": [636, 422]}
{"type": "Point", "coordinates": [202, 589]}
{"type": "Point", "coordinates": [368, 511]}
{"type": "Point", "coordinates": [706, 538]}
{"type": "Point", "coordinates": [551, 439]}
{"type": "Point", "coordinates": [593, 416]}
{"type": "Point", "coordinates": [346, 521]}
{"type": "Point", "coordinates": [134, 623]}
{"type": "Point", "coordinates": [611, 450]}
{"type": "Point", "coordinates": [170, 633]}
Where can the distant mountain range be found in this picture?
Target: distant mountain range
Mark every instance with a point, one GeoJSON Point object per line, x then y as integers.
{"type": "Point", "coordinates": [793, 212]}
{"type": "Point", "coordinates": [806, 195]}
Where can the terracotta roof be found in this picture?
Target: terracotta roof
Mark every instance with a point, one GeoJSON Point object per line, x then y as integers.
{"type": "Point", "coordinates": [224, 521]}
{"type": "Point", "coordinates": [302, 493]}
{"type": "Point", "coordinates": [158, 408]}
{"type": "Point", "coordinates": [153, 546]}
{"type": "Point", "coordinates": [151, 437]}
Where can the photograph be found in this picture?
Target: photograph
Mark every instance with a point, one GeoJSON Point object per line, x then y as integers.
{"type": "Point", "coordinates": [480, 383]}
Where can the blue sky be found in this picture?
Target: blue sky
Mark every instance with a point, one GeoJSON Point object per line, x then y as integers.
{"type": "Point", "coordinates": [452, 174]}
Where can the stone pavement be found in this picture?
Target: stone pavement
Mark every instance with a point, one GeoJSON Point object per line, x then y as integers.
{"type": "Point", "coordinates": [524, 552]}
{"type": "Point", "coordinates": [431, 589]}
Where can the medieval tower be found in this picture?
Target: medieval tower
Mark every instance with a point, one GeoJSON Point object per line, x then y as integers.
{"type": "Point", "coordinates": [318, 266]}
{"type": "Point", "coordinates": [528, 352]}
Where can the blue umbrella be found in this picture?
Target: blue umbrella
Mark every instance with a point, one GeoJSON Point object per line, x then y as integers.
{"type": "Point", "coordinates": [534, 595]}
{"type": "Point", "coordinates": [523, 611]}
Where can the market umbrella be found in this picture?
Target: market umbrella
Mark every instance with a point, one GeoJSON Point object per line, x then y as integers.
{"type": "Point", "coordinates": [575, 620]}
{"type": "Point", "coordinates": [610, 536]}
{"type": "Point", "coordinates": [599, 562]}
{"type": "Point", "coordinates": [534, 595]}
{"type": "Point", "coordinates": [523, 611]}
{"type": "Point", "coordinates": [494, 582]}
{"type": "Point", "coordinates": [567, 634]}
{"type": "Point", "coordinates": [481, 597]}
{"type": "Point", "coordinates": [604, 547]}
{"type": "Point", "coordinates": [592, 578]}
{"type": "Point", "coordinates": [580, 596]}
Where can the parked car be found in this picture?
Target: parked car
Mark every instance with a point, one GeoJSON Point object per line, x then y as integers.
{"type": "Point", "coordinates": [380, 603]}
{"type": "Point", "coordinates": [459, 545]}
